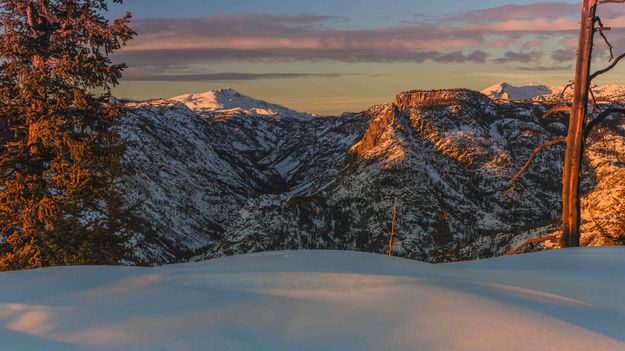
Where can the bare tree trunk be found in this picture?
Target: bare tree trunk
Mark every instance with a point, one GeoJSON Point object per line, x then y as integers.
{"type": "Point", "coordinates": [575, 138]}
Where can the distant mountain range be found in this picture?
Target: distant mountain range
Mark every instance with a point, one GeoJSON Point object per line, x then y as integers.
{"type": "Point", "coordinates": [545, 93]}
{"type": "Point", "coordinates": [220, 173]}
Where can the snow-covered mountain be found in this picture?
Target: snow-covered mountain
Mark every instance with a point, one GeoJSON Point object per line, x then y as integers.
{"type": "Point", "coordinates": [230, 101]}
{"type": "Point", "coordinates": [220, 173]}
{"type": "Point", "coordinates": [551, 93]}
{"type": "Point", "coordinates": [505, 91]}
{"type": "Point", "coordinates": [307, 301]}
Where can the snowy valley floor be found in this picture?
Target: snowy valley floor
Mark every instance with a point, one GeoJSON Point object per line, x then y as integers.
{"type": "Point", "coordinates": [564, 300]}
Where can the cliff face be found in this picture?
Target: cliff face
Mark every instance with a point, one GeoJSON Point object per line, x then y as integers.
{"type": "Point", "coordinates": [220, 173]}
{"type": "Point", "coordinates": [438, 98]}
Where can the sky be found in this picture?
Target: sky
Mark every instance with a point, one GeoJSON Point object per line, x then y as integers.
{"type": "Point", "coordinates": [333, 56]}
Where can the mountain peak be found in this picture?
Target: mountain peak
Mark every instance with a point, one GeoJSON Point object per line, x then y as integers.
{"type": "Point", "coordinates": [222, 99]}
{"type": "Point", "coordinates": [505, 91]}
{"type": "Point", "coordinates": [228, 100]}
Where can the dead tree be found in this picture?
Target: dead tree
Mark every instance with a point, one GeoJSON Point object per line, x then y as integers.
{"type": "Point", "coordinates": [580, 125]}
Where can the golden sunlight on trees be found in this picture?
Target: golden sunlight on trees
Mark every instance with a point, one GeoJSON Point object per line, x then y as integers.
{"type": "Point", "coordinates": [60, 162]}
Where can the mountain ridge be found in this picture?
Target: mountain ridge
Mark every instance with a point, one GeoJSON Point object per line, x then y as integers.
{"type": "Point", "coordinates": [550, 93]}
{"type": "Point", "coordinates": [215, 180]}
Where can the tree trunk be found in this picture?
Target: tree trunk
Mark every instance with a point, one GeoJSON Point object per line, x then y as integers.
{"type": "Point", "coordinates": [575, 138]}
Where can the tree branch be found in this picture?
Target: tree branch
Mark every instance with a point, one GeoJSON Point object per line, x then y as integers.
{"type": "Point", "coordinates": [566, 87]}
{"type": "Point", "coordinates": [556, 110]}
{"type": "Point", "coordinates": [527, 165]}
{"type": "Point", "coordinates": [601, 31]}
{"type": "Point", "coordinates": [602, 116]}
{"type": "Point", "coordinates": [607, 69]}
{"type": "Point", "coordinates": [532, 241]}
{"type": "Point", "coordinates": [595, 104]}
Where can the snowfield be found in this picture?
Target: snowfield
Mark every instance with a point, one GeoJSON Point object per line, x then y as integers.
{"type": "Point", "coordinates": [322, 300]}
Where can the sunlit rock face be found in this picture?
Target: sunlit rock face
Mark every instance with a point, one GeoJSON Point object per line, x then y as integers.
{"type": "Point", "coordinates": [438, 98]}
{"type": "Point", "coordinates": [220, 173]}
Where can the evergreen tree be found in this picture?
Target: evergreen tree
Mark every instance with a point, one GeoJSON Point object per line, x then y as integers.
{"type": "Point", "coordinates": [443, 240]}
{"type": "Point", "coordinates": [60, 160]}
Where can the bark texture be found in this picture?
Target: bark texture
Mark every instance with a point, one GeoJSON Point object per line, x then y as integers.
{"type": "Point", "coordinates": [571, 212]}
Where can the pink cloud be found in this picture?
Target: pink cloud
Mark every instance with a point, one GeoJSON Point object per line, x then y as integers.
{"type": "Point", "coordinates": [522, 32]}
{"type": "Point", "coordinates": [518, 12]}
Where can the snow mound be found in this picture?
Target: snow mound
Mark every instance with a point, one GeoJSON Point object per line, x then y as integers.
{"type": "Point", "coordinates": [321, 300]}
{"type": "Point", "coordinates": [505, 91]}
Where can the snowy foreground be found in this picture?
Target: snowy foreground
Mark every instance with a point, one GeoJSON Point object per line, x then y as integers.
{"type": "Point", "coordinates": [567, 300]}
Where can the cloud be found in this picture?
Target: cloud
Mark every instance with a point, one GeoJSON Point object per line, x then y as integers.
{"type": "Point", "coordinates": [163, 60]}
{"type": "Point", "coordinates": [508, 13]}
{"type": "Point", "coordinates": [225, 76]}
{"type": "Point", "coordinates": [511, 56]}
{"type": "Point", "coordinates": [477, 56]}
{"type": "Point", "coordinates": [563, 55]}
{"type": "Point", "coordinates": [523, 31]}
{"type": "Point", "coordinates": [167, 58]}
{"type": "Point", "coordinates": [545, 68]}
{"type": "Point", "coordinates": [259, 32]}
{"type": "Point", "coordinates": [460, 57]}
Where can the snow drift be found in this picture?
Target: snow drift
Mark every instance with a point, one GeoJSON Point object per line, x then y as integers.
{"type": "Point", "coordinates": [321, 300]}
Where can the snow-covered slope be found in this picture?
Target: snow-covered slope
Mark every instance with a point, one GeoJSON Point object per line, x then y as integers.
{"type": "Point", "coordinates": [565, 300]}
{"type": "Point", "coordinates": [195, 170]}
{"type": "Point", "coordinates": [212, 179]}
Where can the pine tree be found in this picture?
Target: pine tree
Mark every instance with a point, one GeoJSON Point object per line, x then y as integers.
{"type": "Point", "coordinates": [60, 160]}
{"type": "Point", "coordinates": [443, 240]}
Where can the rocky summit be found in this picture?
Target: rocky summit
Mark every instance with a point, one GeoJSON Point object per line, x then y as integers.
{"type": "Point", "coordinates": [220, 173]}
